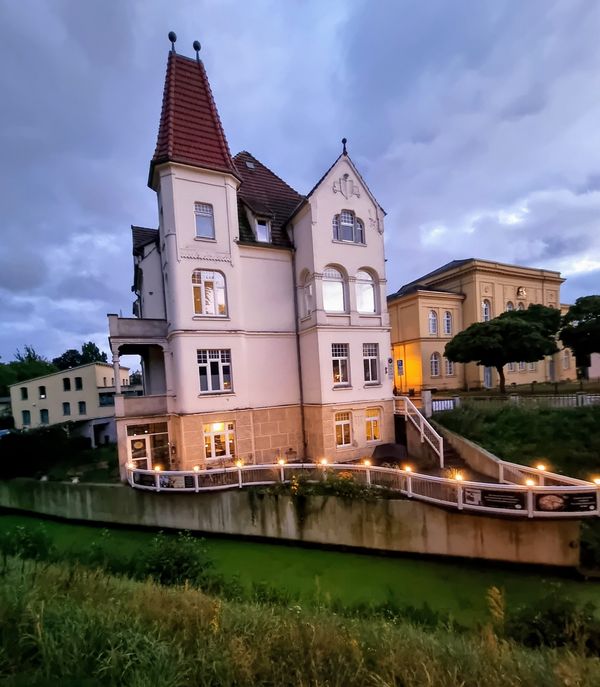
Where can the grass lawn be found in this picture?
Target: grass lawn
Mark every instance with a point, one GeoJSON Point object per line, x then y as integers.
{"type": "Point", "coordinates": [453, 587]}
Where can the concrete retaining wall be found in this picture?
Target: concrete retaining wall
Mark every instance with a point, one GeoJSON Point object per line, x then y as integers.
{"type": "Point", "coordinates": [476, 457]}
{"type": "Point", "coordinates": [387, 525]}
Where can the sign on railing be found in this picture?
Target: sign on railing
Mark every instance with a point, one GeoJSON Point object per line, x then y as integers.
{"type": "Point", "coordinates": [532, 500]}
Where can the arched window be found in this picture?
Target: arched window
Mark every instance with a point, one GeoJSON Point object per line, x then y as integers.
{"type": "Point", "coordinates": [306, 294]}
{"type": "Point", "coordinates": [333, 290]}
{"type": "Point", "coordinates": [209, 293]}
{"type": "Point", "coordinates": [365, 292]}
{"type": "Point", "coordinates": [447, 322]}
{"type": "Point", "coordinates": [486, 311]}
{"type": "Point", "coordinates": [434, 364]}
{"type": "Point", "coordinates": [347, 227]}
{"type": "Point", "coordinates": [449, 367]}
{"type": "Point", "coordinates": [510, 306]}
{"type": "Point", "coordinates": [520, 306]}
{"type": "Point", "coordinates": [433, 322]}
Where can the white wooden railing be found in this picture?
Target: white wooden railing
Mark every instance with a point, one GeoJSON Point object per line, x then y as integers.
{"type": "Point", "coordinates": [535, 500]}
{"type": "Point", "coordinates": [439, 405]}
{"type": "Point", "coordinates": [404, 406]}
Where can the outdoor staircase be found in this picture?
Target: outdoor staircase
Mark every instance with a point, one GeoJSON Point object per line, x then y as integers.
{"type": "Point", "coordinates": [452, 460]}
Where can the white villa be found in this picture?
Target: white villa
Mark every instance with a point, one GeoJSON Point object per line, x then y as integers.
{"type": "Point", "coordinates": [261, 316]}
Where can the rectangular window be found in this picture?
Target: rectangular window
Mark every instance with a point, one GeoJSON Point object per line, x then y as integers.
{"type": "Point", "coordinates": [521, 366]}
{"type": "Point", "coordinates": [371, 362]}
{"type": "Point", "coordinates": [44, 419]}
{"type": "Point", "coordinates": [66, 408]}
{"type": "Point", "coordinates": [219, 440]}
{"type": "Point", "coordinates": [532, 367]}
{"type": "Point", "coordinates": [205, 221]}
{"type": "Point", "coordinates": [263, 231]}
{"type": "Point", "coordinates": [26, 417]}
{"type": "Point", "coordinates": [346, 226]}
{"type": "Point", "coordinates": [106, 399]}
{"type": "Point", "coordinates": [82, 408]}
{"type": "Point", "coordinates": [66, 384]}
{"type": "Point", "coordinates": [42, 390]}
{"type": "Point", "coordinates": [78, 383]}
{"type": "Point", "coordinates": [24, 393]}
{"type": "Point", "coordinates": [511, 367]}
{"type": "Point", "coordinates": [103, 381]}
{"type": "Point", "coordinates": [343, 433]}
{"type": "Point", "coordinates": [372, 424]}
{"type": "Point", "coordinates": [214, 368]}
{"type": "Point", "coordinates": [339, 359]}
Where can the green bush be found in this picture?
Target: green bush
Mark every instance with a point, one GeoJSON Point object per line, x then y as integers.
{"type": "Point", "coordinates": [32, 543]}
{"type": "Point", "coordinates": [175, 560]}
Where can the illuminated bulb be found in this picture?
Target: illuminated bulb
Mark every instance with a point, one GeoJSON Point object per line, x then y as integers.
{"type": "Point", "coordinates": [130, 466]}
{"type": "Point", "coordinates": [323, 461]}
{"type": "Point", "coordinates": [458, 477]}
{"type": "Point", "coordinates": [597, 481]}
{"type": "Point", "coordinates": [540, 466]}
{"type": "Point", "coordinates": [238, 463]}
{"type": "Point", "coordinates": [281, 461]}
{"type": "Point", "coordinates": [529, 482]}
{"type": "Point", "coordinates": [367, 462]}
{"type": "Point", "coordinates": [196, 468]}
{"type": "Point", "coordinates": [407, 468]}
{"type": "Point", "coordinates": [157, 468]}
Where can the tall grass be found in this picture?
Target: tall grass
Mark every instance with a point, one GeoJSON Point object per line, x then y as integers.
{"type": "Point", "coordinates": [69, 625]}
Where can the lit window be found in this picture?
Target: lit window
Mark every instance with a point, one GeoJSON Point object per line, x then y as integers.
{"type": "Point", "coordinates": [339, 360]}
{"type": "Point", "coordinates": [263, 231]}
{"type": "Point", "coordinates": [447, 322]}
{"type": "Point", "coordinates": [365, 292]}
{"type": "Point", "coordinates": [434, 363]}
{"type": "Point", "coordinates": [149, 445]}
{"type": "Point", "coordinates": [205, 221]}
{"type": "Point", "coordinates": [78, 383]}
{"type": "Point", "coordinates": [346, 227]}
{"type": "Point", "coordinates": [66, 408]}
{"type": "Point", "coordinates": [433, 322]}
{"type": "Point", "coordinates": [371, 362]}
{"type": "Point", "coordinates": [82, 408]}
{"type": "Point", "coordinates": [486, 311]}
{"type": "Point", "coordinates": [512, 367]}
{"type": "Point", "coordinates": [372, 424]}
{"type": "Point", "coordinates": [219, 440]}
{"type": "Point", "coordinates": [449, 367]}
{"type": "Point", "coordinates": [44, 418]}
{"type": "Point", "coordinates": [343, 433]}
{"type": "Point", "coordinates": [24, 394]}
{"type": "Point", "coordinates": [333, 290]}
{"type": "Point", "coordinates": [26, 417]}
{"type": "Point", "coordinates": [66, 384]}
{"type": "Point", "coordinates": [566, 359]}
{"type": "Point", "coordinates": [42, 391]}
{"type": "Point", "coordinates": [209, 293]}
{"type": "Point", "coordinates": [510, 306]}
{"type": "Point", "coordinates": [214, 368]}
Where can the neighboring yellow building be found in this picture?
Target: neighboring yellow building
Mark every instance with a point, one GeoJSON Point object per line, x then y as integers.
{"type": "Point", "coordinates": [426, 313]}
{"type": "Point", "coordinates": [83, 394]}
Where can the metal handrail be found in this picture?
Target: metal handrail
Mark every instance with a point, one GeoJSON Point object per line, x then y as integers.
{"type": "Point", "coordinates": [427, 432]}
{"type": "Point", "coordinates": [526, 501]}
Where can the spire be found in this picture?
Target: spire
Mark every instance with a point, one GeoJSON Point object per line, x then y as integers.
{"type": "Point", "coordinates": [190, 131]}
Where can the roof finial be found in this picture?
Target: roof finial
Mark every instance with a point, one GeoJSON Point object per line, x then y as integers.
{"type": "Point", "coordinates": [172, 38]}
{"type": "Point", "coordinates": [196, 46]}
{"type": "Point", "coordinates": [344, 141]}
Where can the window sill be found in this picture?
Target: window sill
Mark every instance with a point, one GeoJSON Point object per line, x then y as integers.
{"type": "Point", "coordinates": [205, 238]}
{"type": "Point", "coordinates": [343, 447]}
{"type": "Point", "coordinates": [348, 243]}
{"type": "Point", "coordinates": [205, 394]}
{"type": "Point", "coordinates": [337, 313]}
{"type": "Point", "coordinates": [226, 318]}
{"type": "Point", "coordinates": [371, 385]}
{"type": "Point", "coordinates": [339, 387]}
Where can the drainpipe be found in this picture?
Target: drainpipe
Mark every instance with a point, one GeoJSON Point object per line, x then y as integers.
{"type": "Point", "coordinates": [298, 353]}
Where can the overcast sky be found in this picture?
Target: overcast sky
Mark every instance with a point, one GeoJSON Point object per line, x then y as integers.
{"type": "Point", "coordinates": [476, 124]}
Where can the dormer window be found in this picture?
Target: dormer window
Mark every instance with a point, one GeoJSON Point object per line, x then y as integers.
{"type": "Point", "coordinates": [263, 231]}
{"type": "Point", "coordinates": [347, 227]}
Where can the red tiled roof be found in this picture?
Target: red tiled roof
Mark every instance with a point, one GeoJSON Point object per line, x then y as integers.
{"type": "Point", "coordinates": [190, 131]}
{"type": "Point", "coordinates": [266, 195]}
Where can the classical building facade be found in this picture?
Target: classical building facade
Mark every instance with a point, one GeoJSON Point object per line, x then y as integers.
{"type": "Point", "coordinates": [261, 315]}
{"type": "Point", "coordinates": [84, 395]}
{"type": "Point", "coordinates": [426, 313]}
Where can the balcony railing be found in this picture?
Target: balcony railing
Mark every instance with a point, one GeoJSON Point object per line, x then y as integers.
{"type": "Point", "coordinates": [140, 406]}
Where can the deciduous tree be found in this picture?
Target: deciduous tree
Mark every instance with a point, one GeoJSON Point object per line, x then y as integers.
{"type": "Point", "coordinates": [581, 329]}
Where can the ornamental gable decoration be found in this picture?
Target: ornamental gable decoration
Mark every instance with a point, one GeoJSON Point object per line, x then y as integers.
{"type": "Point", "coordinates": [346, 187]}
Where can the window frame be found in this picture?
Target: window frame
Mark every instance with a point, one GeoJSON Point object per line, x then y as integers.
{"type": "Point", "coordinates": [228, 432]}
{"type": "Point", "coordinates": [357, 228]}
{"type": "Point", "coordinates": [437, 359]}
{"type": "Point", "coordinates": [45, 421]}
{"type": "Point", "coordinates": [223, 361]}
{"type": "Point", "coordinates": [566, 359]}
{"type": "Point", "coordinates": [66, 408]}
{"type": "Point", "coordinates": [24, 393]}
{"type": "Point", "coordinates": [198, 212]}
{"type": "Point", "coordinates": [510, 306]}
{"type": "Point", "coordinates": [511, 367]}
{"type": "Point", "coordinates": [486, 310]}
{"type": "Point", "coordinates": [448, 322]}
{"type": "Point", "coordinates": [263, 221]}
{"type": "Point", "coordinates": [373, 425]}
{"type": "Point", "coordinates": [66, 383]}
{"type": "Point", "coordinates": [80, 405]}
{"type": "Point", "coordinates": [340, 354]}
{"type": "Point", "coordinates": [343, 421]}
{"type": "Point", "coordinates": [432, 319]}
{"type": "Point", "coordinates": [341, 281]}
{"type": "Point", "coordinates": [449, 369]}
{"type": "Point", "coordinates": [360, 283]}
{"type": "Point", "coordinates": [42, 392]}
{"type": "Point", "coordinates": [522, 366]}
{"type": "Point", "coordinates": [78, 383]}
{"type": "Point", "coordinates": [198, 285]}
{"type": "Point", "coordinates": [371, 364]}
{"type": "Point", "coordinates": [26, 414]}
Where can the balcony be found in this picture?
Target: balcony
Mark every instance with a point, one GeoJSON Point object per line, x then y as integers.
{"type": "Point", "coordinates": [140, 406]}
{"type": "Point", "coordinates": [136, 329]}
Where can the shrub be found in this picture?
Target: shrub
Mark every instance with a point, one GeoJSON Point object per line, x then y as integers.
{"type": "Point", "coordinates": [175, 560]}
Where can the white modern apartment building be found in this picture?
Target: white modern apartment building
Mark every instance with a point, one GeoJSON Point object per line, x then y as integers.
{"type": "Point", "coordinates": [84, 395]}
{"type": "Point", "coordinates": [261, 316]}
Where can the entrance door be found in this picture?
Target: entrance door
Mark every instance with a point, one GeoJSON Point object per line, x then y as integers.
{"type": "Point", "coordinates": [139, 452]}
{"type": "Point", "coordinates": [487, 377]}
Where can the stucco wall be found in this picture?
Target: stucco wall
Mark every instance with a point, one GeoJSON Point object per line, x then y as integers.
{"type": "Point", "coordinates": [395, 525]}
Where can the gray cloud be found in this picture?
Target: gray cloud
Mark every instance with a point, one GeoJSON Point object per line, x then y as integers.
{"type": "Point", "coordinates": [475, 124]}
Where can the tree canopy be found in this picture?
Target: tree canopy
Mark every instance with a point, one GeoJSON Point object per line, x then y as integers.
{"type": "Point", "coordinates": [90, 353]}
{"type": "Point", "coordinates": [518, 335]}
{"type": "Point", "coordinates": [581, 329]}
{"type": "Point", "coordinates": [26, 365]}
